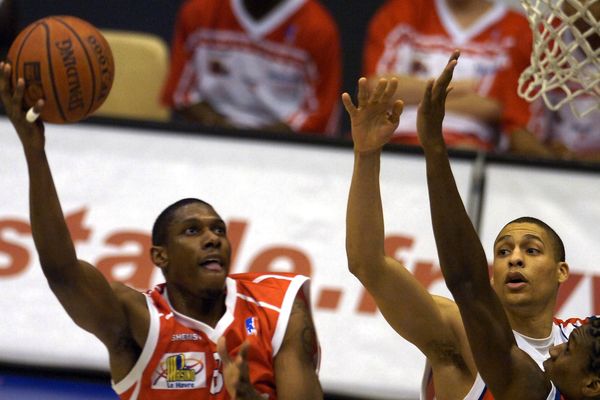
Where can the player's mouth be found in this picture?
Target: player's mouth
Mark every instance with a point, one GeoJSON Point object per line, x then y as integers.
{"type": "Point", "coordinates": [515, 280]}
{"type": "Point", "coordinates": [212, 264]}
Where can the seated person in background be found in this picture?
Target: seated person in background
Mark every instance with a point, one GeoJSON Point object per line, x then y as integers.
{"type": "Point", "coordinates": [561, 134]}
{"type": "Point", "coordinates": [257, 64]}
{"type": "Point", "coordinates": [410, 40]}
{"type": "Point", "coordinates": [573, 370]}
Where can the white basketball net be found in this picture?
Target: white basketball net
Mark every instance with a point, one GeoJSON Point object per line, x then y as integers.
{"type": "Point", "coordinates": [564, 63]}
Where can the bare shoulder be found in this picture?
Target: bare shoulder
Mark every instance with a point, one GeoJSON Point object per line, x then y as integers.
{"type": "Point", "coordinates": [301, 330]}
{"type": "Point", "coordinates": [126, 293]}
{"type": "Point", "coordinates": [136, 310]}
{"type": "Point", "coordinates": [458, 351]}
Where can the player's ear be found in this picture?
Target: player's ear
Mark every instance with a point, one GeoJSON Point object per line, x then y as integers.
{"type": "Point", "coordinates": [592, 386]}
{"type": "Point", "coordinates": [563, 271]}
{"type": "Point", "coordinates": [159, 256]}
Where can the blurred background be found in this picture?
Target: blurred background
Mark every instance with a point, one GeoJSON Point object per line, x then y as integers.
{"type": "Point", "coordinates": [285, 192]}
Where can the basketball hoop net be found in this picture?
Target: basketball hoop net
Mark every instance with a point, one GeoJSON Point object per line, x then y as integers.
{"type": "Point", "coordinates": [565, 59]}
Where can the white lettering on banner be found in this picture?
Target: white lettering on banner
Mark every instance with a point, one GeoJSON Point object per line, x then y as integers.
{"type": "Point", "coordinates": [289, 219]}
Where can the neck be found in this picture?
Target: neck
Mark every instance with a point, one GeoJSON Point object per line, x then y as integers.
{"type": "Point", "coordinates": [534, 323]}
{"type": "Point", "coordinates": [207, 306]}
{"type": "Point", "coordinates": [259, 8]}
{"type": "Point", "coordinates": [467, 12]}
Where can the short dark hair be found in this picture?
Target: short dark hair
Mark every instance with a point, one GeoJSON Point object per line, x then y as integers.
{"type": "Point", "coordinates": [594, 332]}
{"type": "Point", "coordinates": [164, 219]}
{"type": "Point", "coordinates": [559, 248]}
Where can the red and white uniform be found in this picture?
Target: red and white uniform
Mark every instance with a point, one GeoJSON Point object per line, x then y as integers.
{"type": "Point", "coordinates": [286, 67]}
{"type": "Point", "coordinates": [180, 360]}
{"type": "Point", "coordinates": [479, 391]}
{"type": "Point", "coordinates": [416, 38]}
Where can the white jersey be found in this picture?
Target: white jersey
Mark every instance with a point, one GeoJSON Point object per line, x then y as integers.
{"type": "Point", "coordinates": [560, 334]}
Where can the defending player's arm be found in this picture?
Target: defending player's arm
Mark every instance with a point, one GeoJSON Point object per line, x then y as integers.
{"type": "Point", "coordinates": [508, 371]}
{"type": "Point", "coordinates": [425, 320]}
{"type": "Point", "coordinates": [81, 289]}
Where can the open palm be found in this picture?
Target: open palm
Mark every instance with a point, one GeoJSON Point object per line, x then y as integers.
{"type": "Point", "coordinates": [376, 117]}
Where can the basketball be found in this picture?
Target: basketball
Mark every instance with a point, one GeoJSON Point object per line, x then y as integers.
{"type": "Point", "coordinates": [67, 62]}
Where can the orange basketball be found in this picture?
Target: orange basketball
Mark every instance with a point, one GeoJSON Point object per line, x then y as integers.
{"type": "Point", "coordinates": [67, 62]}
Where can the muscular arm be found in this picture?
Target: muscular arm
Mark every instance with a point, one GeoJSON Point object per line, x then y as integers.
{"type": "Point", "coordinates": [81, 289]}
{"type": "Point", "coordinates": [295, 370]}
{"type": "Point", "coordinates": [204, 114]}
{"type": "Point", "coordinates": [398, 294]}
{"type": "Point", "coordinates": [508, 371]}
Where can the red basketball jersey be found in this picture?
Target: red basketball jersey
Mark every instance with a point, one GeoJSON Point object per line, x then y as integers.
{"type": "Point", "coordinates": [180, 359]}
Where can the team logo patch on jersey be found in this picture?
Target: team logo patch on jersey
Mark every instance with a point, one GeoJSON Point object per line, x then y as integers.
{"type": "Point", "coordinates": [180, 371]}
{"type": "Point", "coordinates": [251, 326]}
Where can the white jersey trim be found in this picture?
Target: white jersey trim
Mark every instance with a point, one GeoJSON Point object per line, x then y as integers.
{"type": "Point", "coordinates": [134, 376]}
{"type": "Point", "coordinates": [227, 319]}
{"type": "Point", "coordinates": [286, 309]}
{"type": "Point", "coordinates": [461, 35]}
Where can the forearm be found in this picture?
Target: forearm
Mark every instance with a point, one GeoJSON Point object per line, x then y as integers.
{"type": "Point", "coordinates": [364, 217]}
{"type": "Point", "coordinates": [410, 88]}
{"type": "Point", "coordinates": [204, 114]}
{"type": "Point", "coordinates": [462, 258]}
{"type": "Point", "coordinates": [481, 108]}
{"type": "Point", "coordinates": [50, 233]}
{"type": "Point", "coordinates": [523, 142]}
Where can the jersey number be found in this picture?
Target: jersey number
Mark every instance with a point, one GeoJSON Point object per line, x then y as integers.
{"type": "Point", "coordinates": [216, 384]}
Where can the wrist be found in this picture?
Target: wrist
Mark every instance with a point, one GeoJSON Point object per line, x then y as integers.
{"type": "Point", "coordinates": [370, 153]}
{"type": "Point", "coordinates": [436, 148]}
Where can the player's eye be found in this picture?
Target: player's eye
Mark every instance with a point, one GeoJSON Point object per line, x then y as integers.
{"type": "Point", "coordinates": [191, 230]}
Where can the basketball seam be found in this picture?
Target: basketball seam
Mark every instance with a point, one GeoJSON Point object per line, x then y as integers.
{"type": "Point", "coordinates": [16, 62]}
{"type": "Point", "coordinates": [89, 61]}
{"type": "Point", "coordinates": [51, 71]}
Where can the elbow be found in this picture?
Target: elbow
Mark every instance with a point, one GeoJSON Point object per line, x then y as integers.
{"type": "Point", "coordinates": [356, 268]}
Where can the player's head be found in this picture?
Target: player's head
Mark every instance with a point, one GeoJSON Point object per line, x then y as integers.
{"type": "Point", "coordinates": [529, 263]}
{"type": "Point", "coordinates": [574, 367]}
{"type": "Point", "coordinates": [190, 245]}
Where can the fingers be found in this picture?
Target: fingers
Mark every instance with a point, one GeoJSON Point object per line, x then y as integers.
{"type": "Point", "coordinates": [379, 91]}
{"type": "Point", "coordinates": [244, 351]}
{"type": "Point", "coordinates": [363, 92]}
{"type": "Point", "coordinates": [32, 115]}
{"type": "Point", "coordinates": [396, 112]}
{"type": "Point", "coordinates": [348, 105]}
{"type": "Point", "coordinates": [5, 81]}
{"type": "Point", "coordinates": [17, 97]}
{"type": "Point", "coordinates": [222, 350]}
{"type": "Point", "coordinates": [390, 90]}
{"type": "Point", "coordinates": [441, 84]}
{"type": "Point", "coordinates": [426, 102]}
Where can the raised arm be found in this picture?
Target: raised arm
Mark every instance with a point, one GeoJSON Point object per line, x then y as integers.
{"type": "Point", "coordinates": [508, 371]}
{"type": "Point", "coordinates": [428, 322]}
{"type": "Point", "coordinates": [81, 289]}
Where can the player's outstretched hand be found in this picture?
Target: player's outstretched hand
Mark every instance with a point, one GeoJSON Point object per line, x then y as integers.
{"type": "Point", "coordinates": [235, 372]}
{"type": "Point", "coordinates": [376, 116]}
{"type": "Point", "coordinates": [31, 134]}
{"type": "Point", "coordinates": [432, 107]}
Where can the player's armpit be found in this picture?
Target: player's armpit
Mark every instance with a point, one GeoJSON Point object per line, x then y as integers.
{"type": "Point", "coordinates": [295, 364]}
